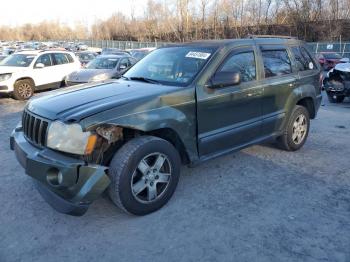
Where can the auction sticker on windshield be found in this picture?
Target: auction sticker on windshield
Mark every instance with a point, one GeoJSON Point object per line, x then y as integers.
{"type": "Point", "coordinates": [199, 55]}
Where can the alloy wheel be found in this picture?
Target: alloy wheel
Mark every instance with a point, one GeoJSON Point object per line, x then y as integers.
{"type": "Point", "coordinates": [299, 129]}
{"type": "Point", "coordinates": [151, 178]}
{"type": "Point", "coordinates": [25, 90]}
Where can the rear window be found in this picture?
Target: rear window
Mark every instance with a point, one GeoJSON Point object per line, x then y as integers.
{"type": "Point", "coordinates": [276, 63]}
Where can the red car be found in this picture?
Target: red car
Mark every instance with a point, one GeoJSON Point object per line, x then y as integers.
{"type": "Point", "coordinates": [328, 60]}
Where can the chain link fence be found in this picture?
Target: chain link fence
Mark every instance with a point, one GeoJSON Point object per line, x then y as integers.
{"type": "Point", "coordinates": [121, 44]}
{"type": "Point", "coordinates": [342, 48]}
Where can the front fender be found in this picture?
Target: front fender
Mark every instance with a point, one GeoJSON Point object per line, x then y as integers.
{"type": "Point", "coordinates": [176, 111]}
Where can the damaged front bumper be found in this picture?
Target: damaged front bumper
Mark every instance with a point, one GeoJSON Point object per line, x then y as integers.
{"type": "Point", "coordinates": [68, 184]}
{"type": "Point", "coordinates": [340, 90]}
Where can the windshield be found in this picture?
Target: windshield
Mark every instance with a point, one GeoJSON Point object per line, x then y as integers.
{"type": "Point", "coordinates": [20, 60]}
{"type": "Point", "coordinates": [172, 65]}
{"type": "Point", "coordinates": [332, 56]}
{"type": "Point", "coordinates": [103, 63]}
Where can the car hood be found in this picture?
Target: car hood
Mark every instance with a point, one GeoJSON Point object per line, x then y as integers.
{"type": "Point", "coordinates": [85, 75]}
{"type": "Point", "coordinates": [11, 69]}
{"type": "Point", "coordinates": [332, 60]}
{"type": "Point", "coordinates": [78, 102]}
{"type": "Point", "coordinates": [343, 67]}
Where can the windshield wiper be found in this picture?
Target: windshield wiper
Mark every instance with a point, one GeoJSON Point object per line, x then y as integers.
{"type": "Point", "coordinates": [144, 79]}
{"type": "Point", "coordinates": [125, 78]}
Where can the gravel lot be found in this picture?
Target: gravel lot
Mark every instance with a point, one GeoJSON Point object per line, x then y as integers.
{"type": "Point", "coordinates": [259, 204]}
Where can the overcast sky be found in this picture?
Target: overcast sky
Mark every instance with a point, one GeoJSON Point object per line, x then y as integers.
{"type": "Point", "coordinates": [19, 12]}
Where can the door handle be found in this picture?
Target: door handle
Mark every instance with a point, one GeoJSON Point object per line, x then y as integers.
{"type": "Point", "coordinates": [257, 93]}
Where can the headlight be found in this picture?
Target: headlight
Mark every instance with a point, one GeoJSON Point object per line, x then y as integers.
{"type": "Point", "coordinates": [4, 77]}
{"type": "Point", "coordinates": [100, 77]}
{"type": "Point", "coordinates": [70, 138]}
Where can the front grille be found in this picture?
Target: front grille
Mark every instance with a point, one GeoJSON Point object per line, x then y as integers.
{"type": "Point", "coordinates": [34, 128]}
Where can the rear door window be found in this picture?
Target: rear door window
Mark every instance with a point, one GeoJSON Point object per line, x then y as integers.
{"type": "Point", "coordinates": [276, 63]}
{"type": "Point", "coordinates": [60, 59]}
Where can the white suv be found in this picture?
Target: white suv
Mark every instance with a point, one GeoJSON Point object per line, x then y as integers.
{"type": "Point", "coordinates": [24, 72]}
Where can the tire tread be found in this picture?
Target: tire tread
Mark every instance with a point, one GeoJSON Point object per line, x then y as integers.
{"type": "Point", "coordinates": [119, 162]}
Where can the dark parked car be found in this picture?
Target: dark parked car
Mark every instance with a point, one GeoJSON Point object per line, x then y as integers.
{"type": "Point", "coordinates": [85, 57]}
{"type": "Point", "coordinates": [181, 104]}
{"type": "Point", "coordinates": [337, 83]}
{"type": "Point", "coordinates": [8, 51]}
{"type": "Point", "coordinates": [2, 57]}
{"type": "Point", "coordinates": [328, 60]}
{"type": "Point", "coordinates": [138, 54]}
{"type": "Point", "coordinates": [101, 68]}
{"type": "Point", "coordinates": [114, 51]}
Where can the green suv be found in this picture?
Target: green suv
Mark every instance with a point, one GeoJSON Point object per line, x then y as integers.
{"type": "Point", "coordinates": [181, 104]}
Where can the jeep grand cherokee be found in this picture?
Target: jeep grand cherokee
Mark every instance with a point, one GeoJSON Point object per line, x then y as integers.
{"type": "Point", "coordinates": [181, 104]}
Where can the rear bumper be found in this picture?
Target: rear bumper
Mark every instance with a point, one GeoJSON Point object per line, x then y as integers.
{"type": "Point", "coordinates": [80, 183]}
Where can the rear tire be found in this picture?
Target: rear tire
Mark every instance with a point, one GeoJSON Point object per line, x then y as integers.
{"type": "Point", "coordinates": [144, 174]}
{"type": "Point", "coordinates": [296, 131]}
{"type": "Point", "coordinates": [23, 89]}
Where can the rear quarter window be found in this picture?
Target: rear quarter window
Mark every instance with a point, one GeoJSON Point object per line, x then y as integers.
{"type": "Point", "coordinates": [310, 61]}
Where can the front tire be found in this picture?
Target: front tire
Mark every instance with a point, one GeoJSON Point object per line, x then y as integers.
{"type": "Point", "coordinates": [144, 174]}
{"type": "Point", "coordinates": [296, 131]}
{"type": "Point", "coordinates": [23, 89]}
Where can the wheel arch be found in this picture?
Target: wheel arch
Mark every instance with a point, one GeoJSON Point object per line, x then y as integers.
{"type": "Point", "coordinates": [173, 138]}
{"type": "Point", "coordinates": [123, 134]}
{"type": "Point", "coordinates": [165, 133]}
{"type": "Point", "coordinates": [308, 103]}
{"type": "Point", "coordinates": [26, 78]}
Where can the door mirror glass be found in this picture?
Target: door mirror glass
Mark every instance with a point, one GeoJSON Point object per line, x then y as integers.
{"type": "Point", "coordinates": [224, 79]}
{"type": "Point", "coordinates": [116, 76]}
{"type": "Point", "coordinates": [122, 67]}
{"type": "Point", "coordinates": [39, 65]}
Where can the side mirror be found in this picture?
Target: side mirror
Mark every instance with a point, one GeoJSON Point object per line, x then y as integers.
{"type": "Point", "coordinates": [116, 76]}
{"type": "Point", "coordinates": [122, 67]}
{"type": "Point", "coordinates": [224, 79]}
{"type": "Point", "coordinates": [39, 65]}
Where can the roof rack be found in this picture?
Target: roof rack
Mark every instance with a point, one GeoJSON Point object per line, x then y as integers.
{"type": "Point", "coordinates": [271, 36]}
{"type": "Point", "coordinates": [51, 49]}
